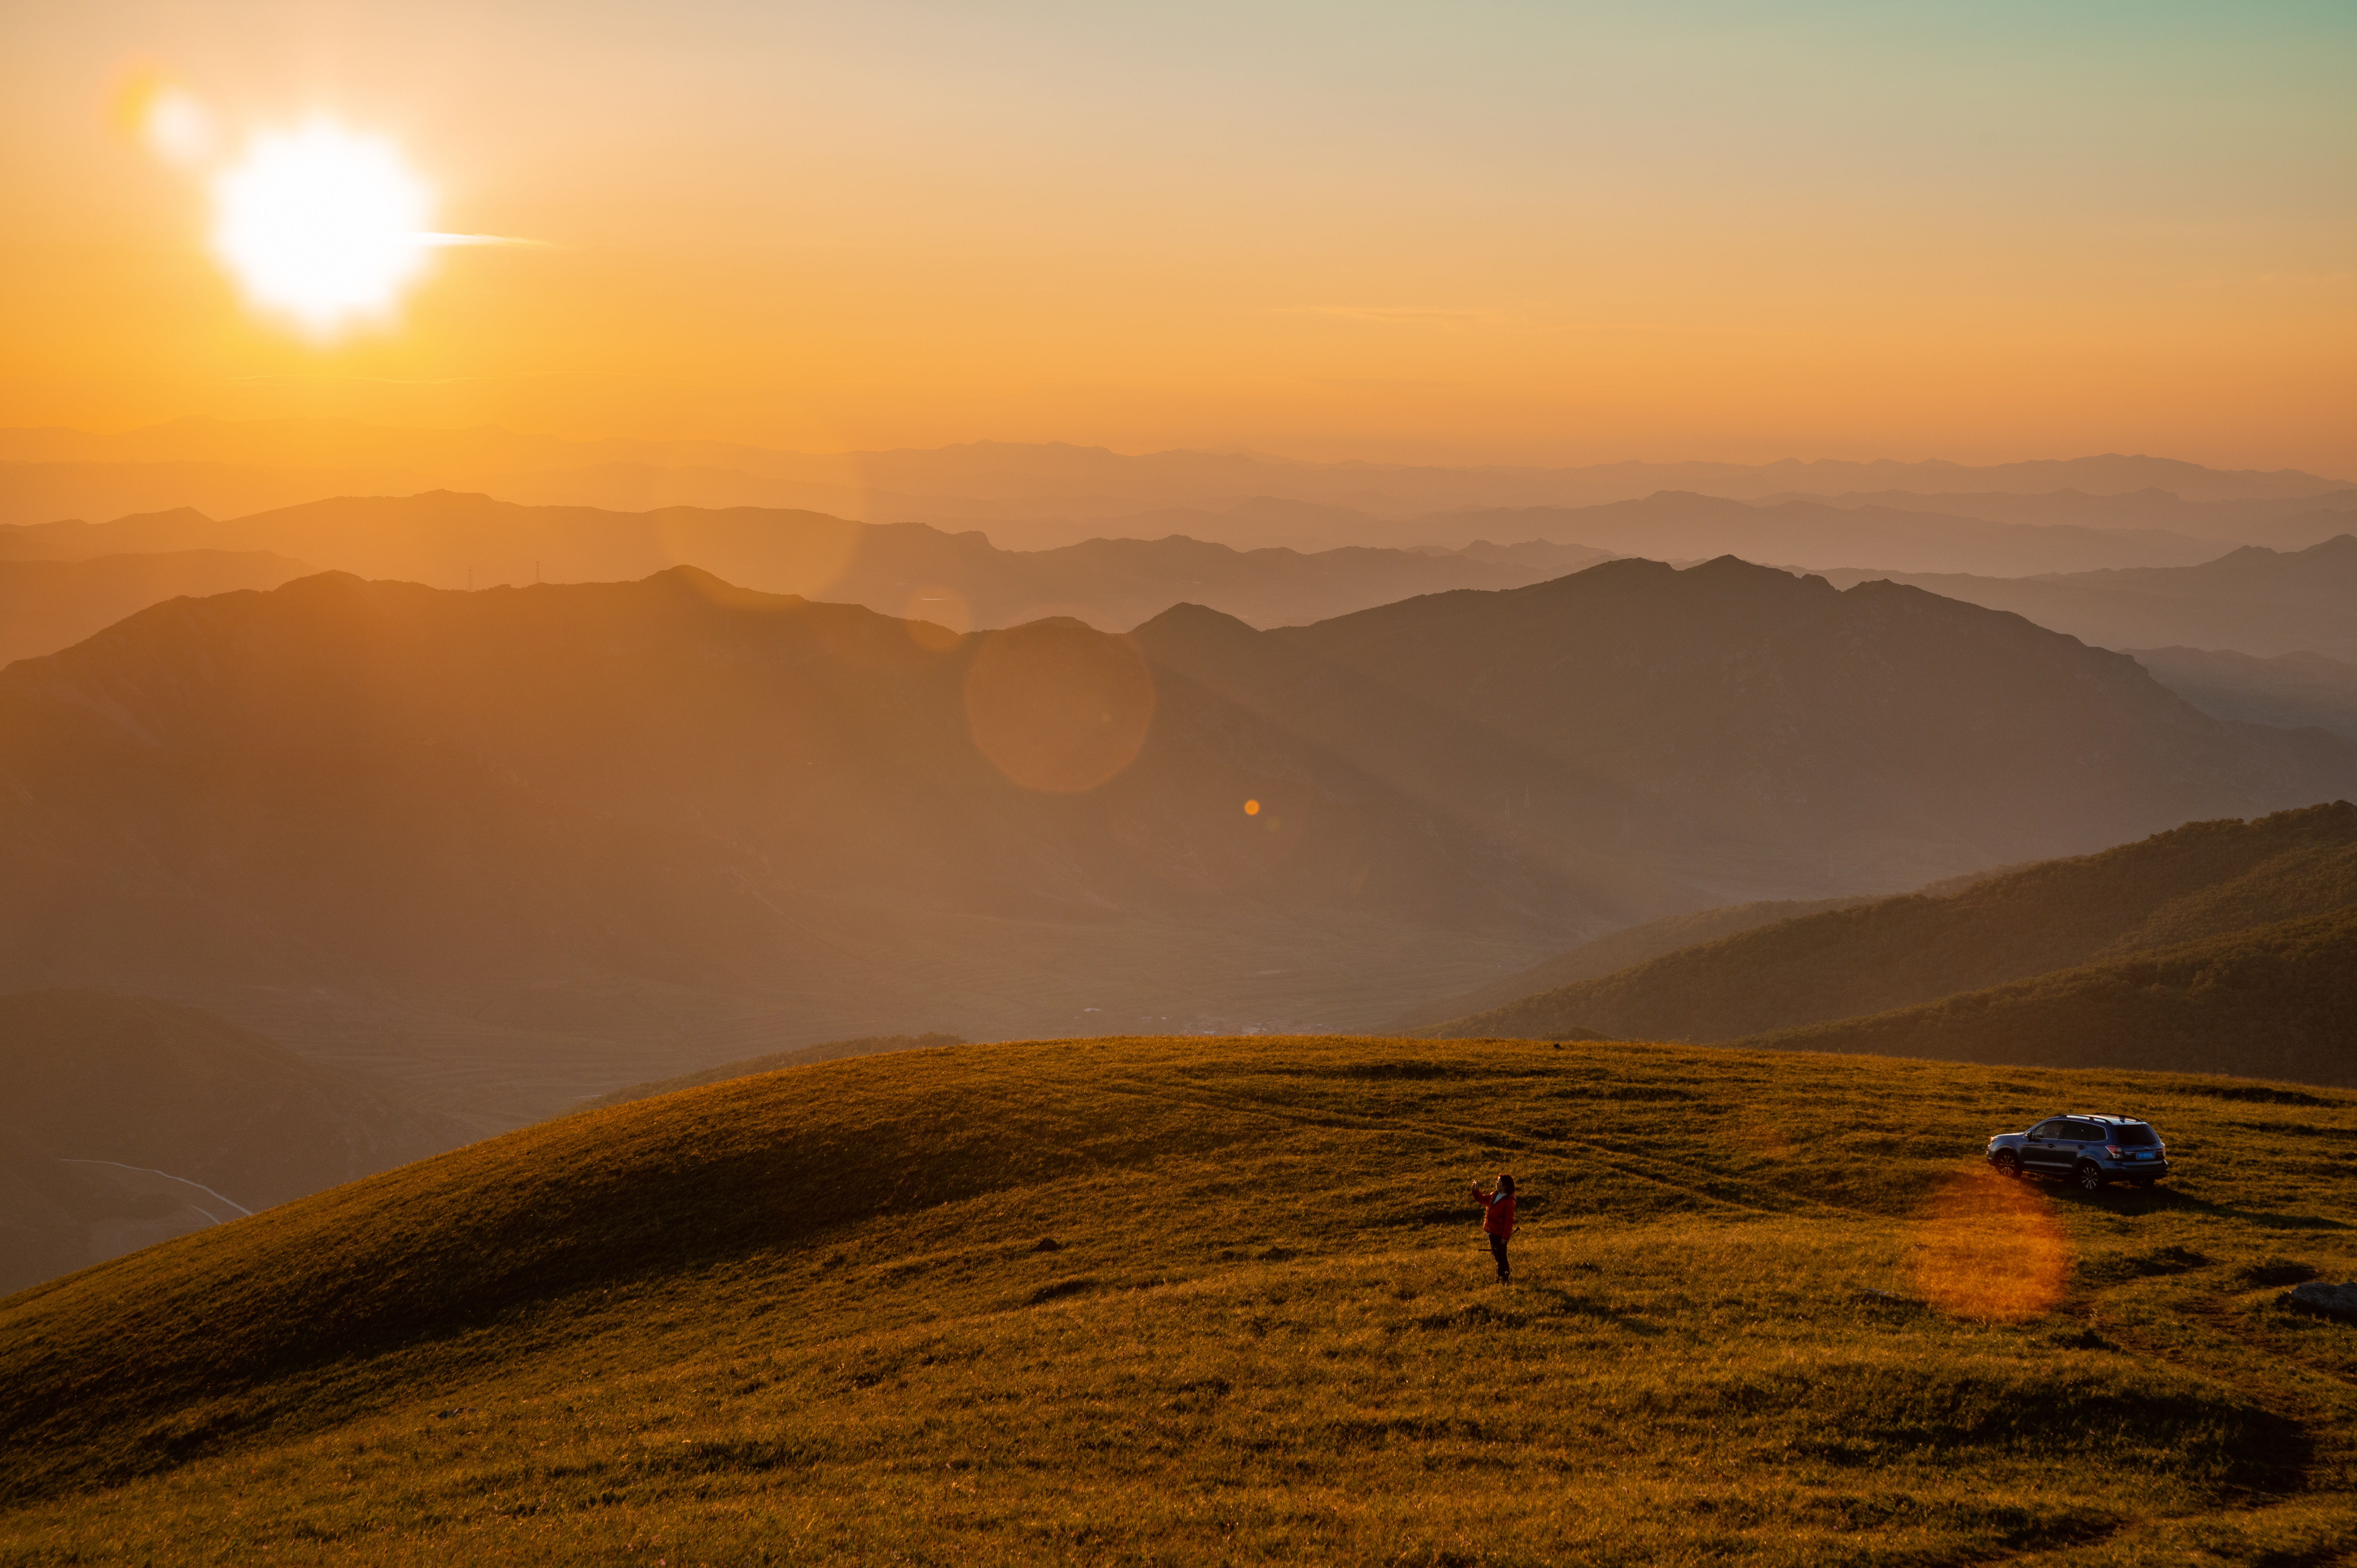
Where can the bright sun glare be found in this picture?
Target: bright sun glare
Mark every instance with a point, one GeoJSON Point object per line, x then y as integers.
{"type": "Point", "coordinates": [322, 226]}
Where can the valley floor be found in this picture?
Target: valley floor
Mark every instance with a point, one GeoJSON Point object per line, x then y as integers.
{"type": "Point", "coordinates": [1178, 1301]}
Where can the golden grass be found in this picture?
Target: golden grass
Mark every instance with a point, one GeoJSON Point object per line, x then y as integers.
{"type": "Point", "coordinates": [810, 1317]}
{"type": "Point", "coordinates": [1989, 1248]}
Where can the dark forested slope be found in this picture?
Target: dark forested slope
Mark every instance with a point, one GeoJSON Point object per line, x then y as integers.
{"type": "Point", "coordinates": [2199, 882]}
{"type": "Point", "coordinates": [2272, 1002]}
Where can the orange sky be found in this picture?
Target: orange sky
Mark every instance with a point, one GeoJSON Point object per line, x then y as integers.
{"type": "Point", "coordinates": [1523, 231]}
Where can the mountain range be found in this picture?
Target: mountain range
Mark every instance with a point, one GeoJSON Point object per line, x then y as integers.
{"type": "Point", "coordinates": [523, 845]}
{"type": "Point", "coordinates": [1685, 526]}
{"type": "Point", "coordinates": [2279, 522]}
{"type": "Point", "coordinates": [2290, 690]}
{"type": "Point", "coordinates": [2253, 600]}
{"type": "Point", "coordinates": [901, 569]}
{"type": "Point", "coordinates": [1029, 496]}
{"type": "Point", "coordinates": [45, 605]}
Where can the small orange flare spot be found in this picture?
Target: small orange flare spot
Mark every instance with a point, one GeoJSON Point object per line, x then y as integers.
{"type": "Point", "coordinates": [1251, 807]}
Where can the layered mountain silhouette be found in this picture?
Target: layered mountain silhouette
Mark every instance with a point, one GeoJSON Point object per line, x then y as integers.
{"type": "Point", "coordinates": [2279, 522]}
{"type": "Point", "coordinates": [2192, 901]}
{"type": "Point", "coordinates": [1805, 531]}
{"type": "Point", "coordinates": [47, 604]}
{"type": "Point", "coordinates": [130, 1120]}
{"type": "Point", "coordinates": [523, 845]}
{"type": "Point", "coordinates": [958, 580]}
{"type": "Point", "coordinates": [2290, 691]}
{"type": "Point", "coordinates": [2252, 600]}
{"type": "Point", "coordinates": [1031, 495]}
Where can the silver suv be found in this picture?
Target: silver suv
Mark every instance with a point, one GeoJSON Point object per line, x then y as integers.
{"type": "Point", "coordinates": [2088, 1150]}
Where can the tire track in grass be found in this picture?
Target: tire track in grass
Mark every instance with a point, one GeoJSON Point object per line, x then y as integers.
{"type": "Point", "coordinates": [1432, 1131]}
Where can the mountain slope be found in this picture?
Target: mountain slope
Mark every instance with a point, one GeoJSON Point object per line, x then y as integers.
{"type": "Point", "coordinates": [97, 1085]}
{"type": "Point", "coordinates": [1618, 951]}
{"type": "Point", "coordinates": [809, 1056]}
{"type": "Point", "coordinates": [1757, 732]}
{"type": "Point", "coordinates": [583, 836]}
{"type": "Point", "coordinates": [1209, 1299]}
{"type": "Point", "coordinates": [2290, 690]}
{"type": "Point", "coordinates": [2277, 1001]}
{"type": "Point", "coordinates": [527, 845]}
{"type": "Point", "coordinates": [49, 605]}
{"type": "Point", "coordinates": [2202, 881]}
{"type": "Point", "coordinates": [2255, 600]}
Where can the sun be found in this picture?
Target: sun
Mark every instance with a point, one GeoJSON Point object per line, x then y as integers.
{"type": "Point", "coordinates": [322, 226]}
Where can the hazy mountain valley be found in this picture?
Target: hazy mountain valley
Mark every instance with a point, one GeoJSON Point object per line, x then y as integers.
{"type": "Point", "coordinates": [339, 838]}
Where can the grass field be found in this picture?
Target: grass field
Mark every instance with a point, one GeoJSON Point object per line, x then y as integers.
{"type": "Point", "coordinates": [1205, 1300]}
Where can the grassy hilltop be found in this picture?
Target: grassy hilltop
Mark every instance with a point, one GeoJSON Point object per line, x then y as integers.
{"type": "Point", "coordinates": [1196, 1300]}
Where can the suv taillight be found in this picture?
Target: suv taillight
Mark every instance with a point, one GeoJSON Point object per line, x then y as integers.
{"type": "Point", "coordinates": [2113, 1150]}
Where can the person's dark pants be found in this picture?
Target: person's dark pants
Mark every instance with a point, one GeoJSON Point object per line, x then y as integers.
{"type": "Point", "coordinates": [1497, 1250]}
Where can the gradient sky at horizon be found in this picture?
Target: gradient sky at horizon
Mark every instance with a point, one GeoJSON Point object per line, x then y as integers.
{"type": "Point", "coordinates": [1509, 231]}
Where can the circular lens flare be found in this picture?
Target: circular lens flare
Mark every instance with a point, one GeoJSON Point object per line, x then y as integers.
{"type": "Point", "coordinates": [322, 226]}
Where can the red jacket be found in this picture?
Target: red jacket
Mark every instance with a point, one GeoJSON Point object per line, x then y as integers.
{"type": "Point", "coordinates": [1499, 1220]}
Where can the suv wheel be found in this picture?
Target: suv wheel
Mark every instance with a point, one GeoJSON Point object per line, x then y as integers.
{"type": "Point", "coordinates": [2089, 1175]}
{"type": "Point", "coordinates": [2009, 1164]}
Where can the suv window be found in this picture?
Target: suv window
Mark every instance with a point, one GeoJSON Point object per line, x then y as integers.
{"type": "Point", "coordinates": [2047, 1130]}
{"type": "Point", "coordinates": [2135, 1136]}
{"type": "Point", "coordinates": [2085, 1133]}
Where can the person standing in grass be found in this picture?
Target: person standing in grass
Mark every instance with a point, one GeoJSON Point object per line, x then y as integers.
{"type": "Point", "coordinates": [1499, 1222]}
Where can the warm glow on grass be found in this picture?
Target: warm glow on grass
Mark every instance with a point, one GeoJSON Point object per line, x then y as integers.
{"type": "Point", "coordinates": [1990, 1249]}
{"type": "Point", "coordinates": [321, 226]}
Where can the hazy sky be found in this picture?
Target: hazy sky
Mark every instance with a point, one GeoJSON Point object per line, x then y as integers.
{"type": "Point", "coordinates": [1511, 230]}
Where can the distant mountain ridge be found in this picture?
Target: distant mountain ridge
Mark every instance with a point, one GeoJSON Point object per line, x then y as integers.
{"type": "Point", "coordinates": [899, 569]}
{"type": "Point", "coordinates": [2290, 691]}
{"type": "Point", "coordinates": [2252, 600]}
{"type": "Point", "coordinates": [1684, 525]}
{"type": "Point", "coordinates": [2280, 523]}
{"type": "Point", "coordinates": [228, 466]}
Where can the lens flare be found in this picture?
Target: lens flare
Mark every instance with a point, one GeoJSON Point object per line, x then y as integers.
{"type": "Point", "coordinates": [1057, 707]}
{"type": "Point", "coordinates": [1990, 1249]}
{"type": "Point", "coordinates": [322, 226]}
